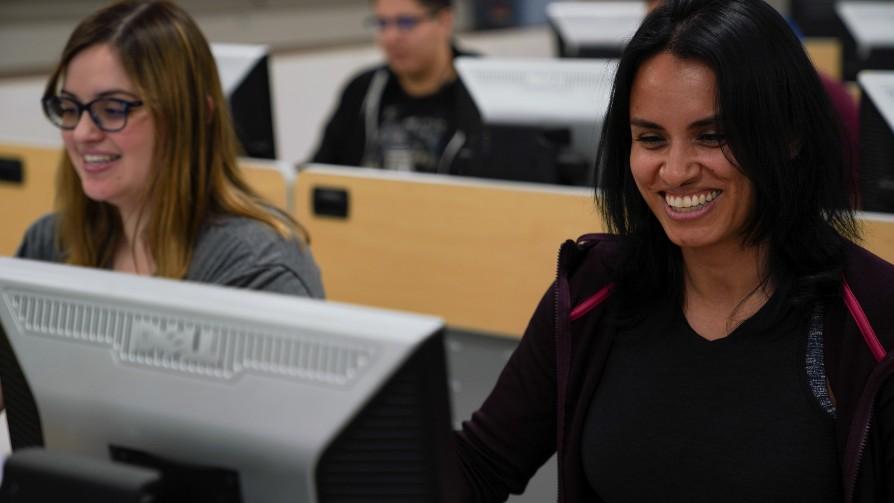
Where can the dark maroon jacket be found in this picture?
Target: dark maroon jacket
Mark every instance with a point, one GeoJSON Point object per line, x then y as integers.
{"type": "Point", "coordinates": [516, 429]}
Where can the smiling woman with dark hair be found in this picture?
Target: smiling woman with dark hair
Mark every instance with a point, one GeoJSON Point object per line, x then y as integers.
{"type": "Point", "coordinates": [726, 341]}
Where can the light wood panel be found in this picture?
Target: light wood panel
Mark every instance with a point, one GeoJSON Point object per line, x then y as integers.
{"type": "Point", "coordinates": [878, 234]}
{"type": "Point", "coordinates": [825, 53]}
{"type": "Point", "coordinates": [478, 254]}
{"type": "Point", "coordinates": [21, 204]}
{"type": "Point", "coordinates": [272, 180]}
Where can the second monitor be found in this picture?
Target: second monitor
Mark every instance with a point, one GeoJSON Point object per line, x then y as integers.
{"type": "Point", "coordinates": [245, 77]}
{"type": "Point", "coordinates": [543, 108]}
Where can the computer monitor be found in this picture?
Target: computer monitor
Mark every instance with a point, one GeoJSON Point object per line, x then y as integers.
{"type": "Point", "coordinates": [876, 175]}
{"type": "Point", "coordinates": [594, 29]}
{"type": "Point", "coordinates": [868, 41]}
{"type": "Point", "coordinates": [561, 101]}
{"type": "Point", "coordinates": [815, 18]}
{"type": "Point", "coordinates": [245, 77]}
{"type": "Point", "coordinates": [295, 400]}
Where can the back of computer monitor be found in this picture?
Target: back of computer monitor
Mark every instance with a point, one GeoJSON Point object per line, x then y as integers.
{"type": "Point", "coordinates": [542, 116]}
{"type": "Point", "coordinates": [245, 76]}
{"type": "Point", "coordinates": [598, 30]}
{"type": "Point", "coordinates": [876, 174]}
{"type": "Point", "coordinates": [867, 36]}
{"type": "Point", "coordinates": [376, 457]}
{"type": "Point", "coordinates": [815, 18]}
{"type": "Point", "coordinates": [283, 399]}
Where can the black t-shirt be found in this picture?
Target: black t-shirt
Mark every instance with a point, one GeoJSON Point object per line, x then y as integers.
{"type": "Point", "coordinates": [414, 131]}
{"type": "Point", "coordinates": [679, 418]}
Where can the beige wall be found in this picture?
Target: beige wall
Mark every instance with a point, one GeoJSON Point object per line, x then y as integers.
{"type": "Point", "coordinates": [38, 29]}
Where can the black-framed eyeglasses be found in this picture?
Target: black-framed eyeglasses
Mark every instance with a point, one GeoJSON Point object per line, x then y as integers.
{"type": "Point", "coordinates": [109, 114]}
{"type": "Point", "coordinates": [403, 23]}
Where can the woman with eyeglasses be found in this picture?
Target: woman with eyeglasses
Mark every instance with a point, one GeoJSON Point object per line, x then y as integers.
{"type": "Point", "coordinates": [149, 182]}
{"type": "Point", "coordinates": [413, 113]}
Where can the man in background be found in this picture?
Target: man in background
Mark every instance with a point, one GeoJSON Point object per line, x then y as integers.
{"type": "Point", "coordinates": [413, 113]}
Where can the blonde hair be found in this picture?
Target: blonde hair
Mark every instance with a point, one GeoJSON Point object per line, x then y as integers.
{"type": "Point", "coordinates": [165, 54]}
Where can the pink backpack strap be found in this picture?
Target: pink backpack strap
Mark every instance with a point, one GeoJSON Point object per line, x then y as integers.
{"type": "Point", "coordinates": [853, 305]}
{"type": "Point", "coordinates": [587, 305]}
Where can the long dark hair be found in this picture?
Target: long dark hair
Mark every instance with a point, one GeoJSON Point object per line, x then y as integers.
{"type": "Point", "coordinates": [780, 128]}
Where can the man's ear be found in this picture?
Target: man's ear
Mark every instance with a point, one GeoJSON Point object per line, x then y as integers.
{"type": "Point", "coordinates": [446, 20]}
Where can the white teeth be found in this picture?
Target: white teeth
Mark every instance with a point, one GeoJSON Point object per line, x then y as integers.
{"type": "Point", "coordinates": [99, 158]}
{"type": "Point", "coordinates": [690, 201]}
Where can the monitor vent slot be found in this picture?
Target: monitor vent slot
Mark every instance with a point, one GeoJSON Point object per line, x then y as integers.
{"type": "Point", "coordinates": [188, 345]}
{"type": "Point", "coordinates": [393, 450]}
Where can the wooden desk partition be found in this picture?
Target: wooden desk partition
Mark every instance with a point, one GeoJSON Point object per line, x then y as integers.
{"type": "Point", "coordinates": [477, 253]}
{"type": "Point", "coordinates": [825, 53]}
{"type": "Point", "coordinates": [23, 202]}
{"type": "Point", "coordinates": [878, 234]}
{"type": "Point", "coordinates": [271, 179]}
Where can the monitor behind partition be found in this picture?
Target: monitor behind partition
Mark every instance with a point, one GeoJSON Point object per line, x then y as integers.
{"type": "Point", "coordinates": [867, 32]}
{"type": "Point", "coordinates": [245, 76]}
{"type": "Point", "coordinates": [477, 253]}
{"type": "Point", "coordinates": [542, 116]}
{"type": "Point", "coordinates": [876, 174]}
{"type": "Point", "coordinates": [594, 29]}
{"type": "Point", "coordinates": [815, 18]}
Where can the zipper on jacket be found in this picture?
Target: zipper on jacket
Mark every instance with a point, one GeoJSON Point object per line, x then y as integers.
{"type": "Point", "coordinates": [860, 451]}
{"type": "Point", "coordinates": [864, 411]}
{"type": "Point", "coordinates": [556, 288]}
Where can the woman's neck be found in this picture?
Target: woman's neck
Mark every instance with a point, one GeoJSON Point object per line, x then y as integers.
{"type": "Point", "coordinates": [133, 253]}
{"type": "Point", "coordinates": [723, 288]}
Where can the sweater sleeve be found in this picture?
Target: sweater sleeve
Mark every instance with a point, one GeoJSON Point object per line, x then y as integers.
{"type": "Point", "coordinates": [245, 253]}
{"type": "Point", "coordinates": [39, 241]}
{"type": "Point", "coordinates": [513, 433]}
